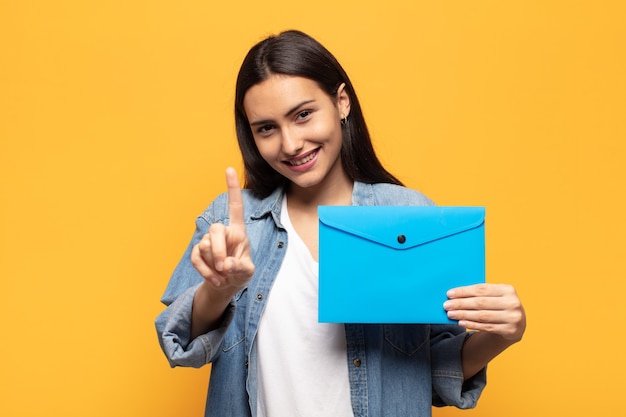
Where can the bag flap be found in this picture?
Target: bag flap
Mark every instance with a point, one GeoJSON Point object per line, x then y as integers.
{"type": "Point", "coordinates": [401, 227]}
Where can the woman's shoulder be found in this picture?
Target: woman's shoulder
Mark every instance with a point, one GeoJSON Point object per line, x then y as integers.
{"type": "Point", "coordinates": [397, 195]}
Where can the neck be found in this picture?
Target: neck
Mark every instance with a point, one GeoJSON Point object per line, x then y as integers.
{"type": "Point", "coordinates": [336, 193]}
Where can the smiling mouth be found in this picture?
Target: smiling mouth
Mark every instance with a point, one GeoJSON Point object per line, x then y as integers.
{"type": "Point", "coordinates": [304, 160]}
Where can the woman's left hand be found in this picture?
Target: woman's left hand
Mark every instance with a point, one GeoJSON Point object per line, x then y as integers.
{"type": "Point", "coordinates": [491, 308]}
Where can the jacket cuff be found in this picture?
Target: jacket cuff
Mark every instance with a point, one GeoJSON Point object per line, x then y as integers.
{"type": "Point", "coordinates": [449, 386]}
{"type": "Point", "coordinates": [174, 328]}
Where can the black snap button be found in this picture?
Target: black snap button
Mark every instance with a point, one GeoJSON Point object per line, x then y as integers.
{"type": "Point", "coordinates": [259, 296]}
{"type": "Point", "coordinates": [281, 244]}
{"type": "Point", "coordinates": [401, 238]}
{"type": "Point", "coordinates": [357, 362]}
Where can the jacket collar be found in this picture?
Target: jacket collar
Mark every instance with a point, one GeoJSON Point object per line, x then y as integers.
{"type": "Point", "coordinates": [269, 205]}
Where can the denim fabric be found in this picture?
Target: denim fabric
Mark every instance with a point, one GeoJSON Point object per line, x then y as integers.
{"type": "Point", "coordinates": [394, 370]}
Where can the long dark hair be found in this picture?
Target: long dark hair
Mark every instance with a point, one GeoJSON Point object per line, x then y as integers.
{"type": "Point", "coordinates": [295, 53]}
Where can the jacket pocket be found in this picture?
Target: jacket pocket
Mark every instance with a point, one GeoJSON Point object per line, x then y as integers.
{"type": "Point", "coordinates": [406, 338]}
{"type": "Point", "coordinates": [236, 331]}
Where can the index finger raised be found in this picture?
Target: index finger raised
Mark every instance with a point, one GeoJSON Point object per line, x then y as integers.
{"type": "Point", "coordinates": [235, 200]}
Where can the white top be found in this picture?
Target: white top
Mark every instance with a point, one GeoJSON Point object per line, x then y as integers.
{"type": "Point", "coordinates": [302, 364]}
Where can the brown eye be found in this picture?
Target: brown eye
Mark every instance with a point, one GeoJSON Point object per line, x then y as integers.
{"type": "Point", "coordinates": [265, 129]}
{"type": "Point", "coordinates": [304, 114]}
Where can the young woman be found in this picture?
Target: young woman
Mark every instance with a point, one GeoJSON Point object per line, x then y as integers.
{"type": "Point", "coordinates": [244, 296]}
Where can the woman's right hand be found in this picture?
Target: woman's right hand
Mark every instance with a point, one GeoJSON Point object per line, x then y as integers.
{"type": "Point", "coordinates": [222, 257]}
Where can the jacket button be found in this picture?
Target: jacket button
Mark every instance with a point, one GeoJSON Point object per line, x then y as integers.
{"type": "Point", "coordinates": [259, 296]}
{"type": "Point", "coordinates": [281, 244]}
{"type": "Point", "coordinates": [357, 362]}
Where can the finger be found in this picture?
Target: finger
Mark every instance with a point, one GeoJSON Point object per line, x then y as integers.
{"type": "Point", "coordinates": [239, 266]}
{"type": "Point", "coordinates": [478, 303]}
{"type": "Point", "coordinates": [235, 200]}
{"type": "Point", "coordinates": [479, 290]}
{"type": "Point", "coordinates": [483, 327]}
{"type": "Point", "coordinates": [481, 316]}
{"type": "Point", "coordinates": [202, 251]}
{"type": "Point", "coordinates": [506, 330]}
{"type": "Point", "coordinates": [201, 265]}
{"type": "Point", "coordinates": [216, 250]}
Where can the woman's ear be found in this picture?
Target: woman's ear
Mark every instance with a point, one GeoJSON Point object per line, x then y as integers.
{"type": "Point", "coordinates": [343, 101]}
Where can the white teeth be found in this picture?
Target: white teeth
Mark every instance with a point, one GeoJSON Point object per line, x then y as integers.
{"type": "Point", "coordinates": [303, 160]}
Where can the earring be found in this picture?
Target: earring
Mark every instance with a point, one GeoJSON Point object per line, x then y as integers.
{"type": "Point", "coordinates": [344, 121]}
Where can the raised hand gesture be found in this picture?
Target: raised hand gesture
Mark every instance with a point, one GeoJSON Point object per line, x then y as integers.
{"type": "Point", "coordinates": [223, 259]}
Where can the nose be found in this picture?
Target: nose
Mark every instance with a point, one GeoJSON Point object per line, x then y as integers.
{"type": "Point", "coordinates": [292, 143]}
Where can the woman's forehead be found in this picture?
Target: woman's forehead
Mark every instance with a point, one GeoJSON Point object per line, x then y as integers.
{"type": "Point", "coordinates": [279, 94]}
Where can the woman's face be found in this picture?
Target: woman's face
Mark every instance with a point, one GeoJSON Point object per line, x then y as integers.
{"type": "Point", "coordinates": [297, 128]}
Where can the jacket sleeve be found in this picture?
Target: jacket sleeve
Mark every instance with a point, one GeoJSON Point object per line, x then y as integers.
{"type": "Point", "coordinates": [449, 388]}
{"type": "Point", "coordinates": [173, 325]}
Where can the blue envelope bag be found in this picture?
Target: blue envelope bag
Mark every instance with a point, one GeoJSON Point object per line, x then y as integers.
{"type": "Point", "coordinates": [386, 264]}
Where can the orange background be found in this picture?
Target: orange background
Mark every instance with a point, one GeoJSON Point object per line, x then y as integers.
{"type": "Point", "coordinates": [116, 126]}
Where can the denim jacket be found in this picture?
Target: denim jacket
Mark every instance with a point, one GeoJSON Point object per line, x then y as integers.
{"type": "Point", "coordinates": [394, 369]}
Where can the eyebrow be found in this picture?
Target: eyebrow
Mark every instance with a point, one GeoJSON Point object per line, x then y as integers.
{"type": "Point", "coordinates": [291, 111]}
